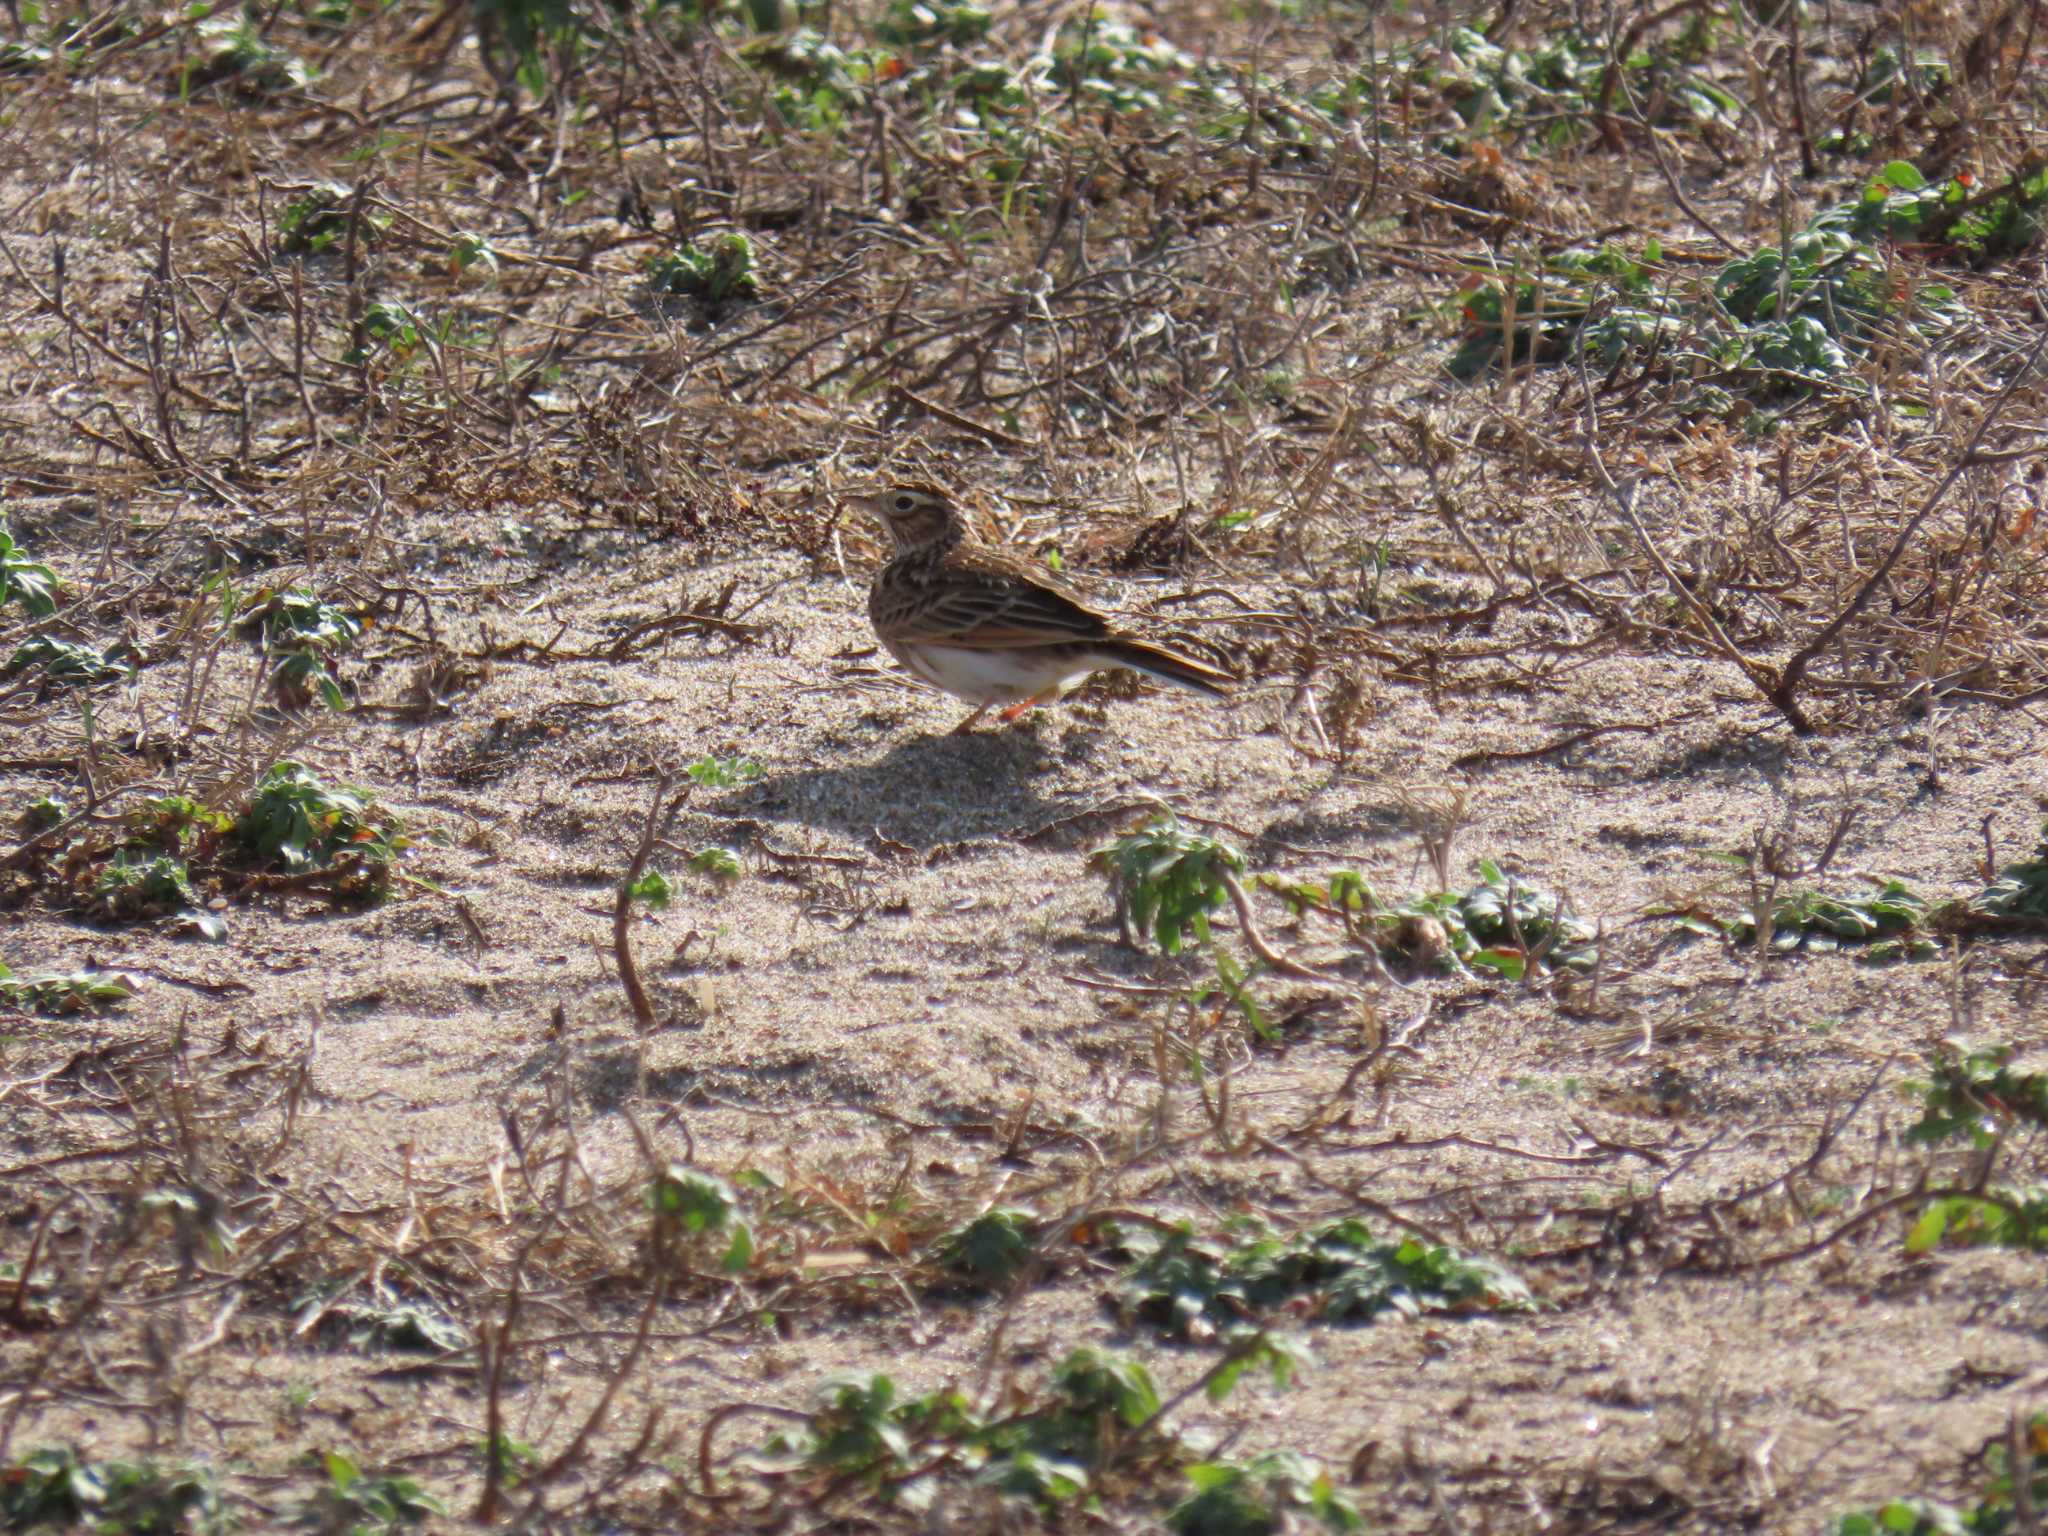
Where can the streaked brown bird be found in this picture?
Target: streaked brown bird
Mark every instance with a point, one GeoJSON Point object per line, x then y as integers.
{"type": "Point", "coordinates": [990, 627]}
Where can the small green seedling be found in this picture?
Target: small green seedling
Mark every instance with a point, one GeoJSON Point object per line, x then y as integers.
{"type": "Point", "coordinates": [690, 1206]}
{"type": "Point", "coordinates": [25, 581]}
{"type": "Point", "coordinates": [723, 772]}
{"type": "Point", "coordinates": [352, 1501]}
{"type": "Point", "coordinates": [1191, 1288]}
{"type": "Point", "coordinates": [1167, 879]}
{"type": "Point", "coordinates": [991, 1250]}
{"type": "Point", "coordinates": [64, 994]}
{"type": "Point", "coordinates": [56, 1487]}
{"type": "Point", "coordinates": [302, 635]}
{"type": "Point", "coordinates": [67, 664]}
{"type": "Point", "coordinates": [1261, 1496]}
{"type": "Point", "coordinates": [726, 271]}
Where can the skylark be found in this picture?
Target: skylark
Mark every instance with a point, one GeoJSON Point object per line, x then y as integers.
{"type": "Point", "coordinates": [988, 626]}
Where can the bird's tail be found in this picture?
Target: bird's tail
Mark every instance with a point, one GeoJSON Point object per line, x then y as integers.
{"type": "Point", "coordinates": [1171, 667]}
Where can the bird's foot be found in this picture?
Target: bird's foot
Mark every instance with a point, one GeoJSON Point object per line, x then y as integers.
{"type": "Point", "coordinates": [1023, 707]}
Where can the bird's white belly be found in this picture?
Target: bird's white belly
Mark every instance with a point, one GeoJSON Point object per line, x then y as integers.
{"type": "Point", "coordinates": [993, 677]}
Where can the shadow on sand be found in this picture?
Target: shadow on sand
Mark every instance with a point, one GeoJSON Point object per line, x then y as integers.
{"type": "Point", "coordinates": [926, 791]}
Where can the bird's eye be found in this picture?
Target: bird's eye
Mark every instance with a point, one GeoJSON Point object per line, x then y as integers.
{"type": "Point", "coordinates": [904, 503]}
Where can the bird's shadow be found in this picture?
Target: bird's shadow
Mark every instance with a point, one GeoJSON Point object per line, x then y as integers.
{"type": "Point", "coordinates": [925, 792]}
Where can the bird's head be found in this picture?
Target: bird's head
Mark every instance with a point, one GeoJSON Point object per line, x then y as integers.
{"type": "Point", "coordinates": [915, 514]}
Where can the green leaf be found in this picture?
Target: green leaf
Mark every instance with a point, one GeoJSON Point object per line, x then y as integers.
{"type": "Point", "coordinates": [739, 1252]}
{"type": "Point", "coordinates": [1925, 1236]}
{"type": "Point", "coordinates": [653, 888]}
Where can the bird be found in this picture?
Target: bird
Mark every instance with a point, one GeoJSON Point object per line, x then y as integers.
{"type": "Point", "coordinates": [990, 627]}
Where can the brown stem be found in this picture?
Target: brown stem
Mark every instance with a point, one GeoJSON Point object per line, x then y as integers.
{"type": "Point", "coordinates": [659, 812]}
{"type": "Point", "coordinates": [1784, 693]}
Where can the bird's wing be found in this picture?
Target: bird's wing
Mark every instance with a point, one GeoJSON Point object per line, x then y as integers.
{"type": "Point", "coordinates": [993, 603]}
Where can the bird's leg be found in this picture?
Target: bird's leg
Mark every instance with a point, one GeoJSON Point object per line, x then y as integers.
{"type": "Point", "coordinates": [1023, 707]}
{"type": "Point", "coordinates": [967, 725]}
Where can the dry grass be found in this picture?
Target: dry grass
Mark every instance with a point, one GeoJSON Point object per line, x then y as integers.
{"type": "Point", "coordinates": [445, 1145]}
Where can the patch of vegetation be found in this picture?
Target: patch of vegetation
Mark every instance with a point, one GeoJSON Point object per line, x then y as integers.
{"type": "Point", "coordinates": [2021, 890]}
{"type": "Point", "coordinates": [1981, 226]}
{"type": "Point", "coordinates": [1095, 1425]}
{"type": "Point", "coordinates": [235, 53]}
{"type": "Point", "coordinates": [24, 580]}
{"type": "Point", "coordinates": [354, 1501]}
{"type": "Point", "coordinates": [1998, 1507]}
{"type": "Point", "coordinates": [1882, 926]}
{"type": "Point", "coordinates": [992, 1250]}
{"type": "Point", "coordinates": [1503, 925]}
{"type": "Point", "coordinates": [1191, 1288]}
{"type": "Point", "coordinates": [384, 1320]}
{"type": "Point", "coordinates": [1977, 1097]}
{"type": "Point", "coordinates": [725, 271]}
{"type": "Point", "coordinates": [42, 813]}
{"type": "Point", "coordinates": [317, 220]}
{"type": "Point", "coordinates": [56, 1487]}
{"type": "Point", "coordinates": [1784, 319]}
{"type": "Point", "coordinates": [295, 820]}
{"type": "Point", "coordinates": [134, 887]}
{"type": "Point", "coordinates": [1168, 878]}
{"type": "Point", "coordinates": [719, 863]}
{"type": "Point", "coordinates": [691, 1208]}
{"type": "Point", "coordinates": [1552, 92]}
{"type": "Point", "coordinates": [1260, 1497]}
{"type": "Point", "coordinates": [51, 993]}
{"type": "Point", "coordinates": [67, 664]}
{"type": "Point", "coordinates": [723, 772]}
{"type": "Point", "coordinates": [172, 858]}
{"type": "Point", "coordinates": [302, 636]}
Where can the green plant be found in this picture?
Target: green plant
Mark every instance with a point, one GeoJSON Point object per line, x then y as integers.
{"type": "Point", "coordinates": [1256, 1498]}
{"type": "Point", "coordinates": [67, 663]}
{"type": "Point", "coordinates": [723, 772]}
{"type": "Point", "coordinates": [1976, 1094]}
{"type": "Point", "coordinates": [395, 325]}
{"type": "Point", "coordinates": [991, 1250]}
{"type": "Point", "coordinates": [318, 219]}
{"type": "Point", "coordinates": [473, 250]}
{"type": "Point", "coordinates": [1978, 1097]}
{"type": "Point", "coordinates": [294, 819]}
{"type": "Point", "coordinates": [362, 1505]}
{"type": "Point", "coordinates": [1885, 925]}
{"type": "Point", "coordinates": [64, 994]}
{"type": "Point", "coordinates": [56, 1487]}
{"type": "Point", "coordinates": [41, 814]}
{"type": "Point", "coordinates": [235, 52]}
{"type": "Point", "coordinates": [1167, 879]}
{"type": "Point", "coordinates": [719, 863]}
{"type": "Point", "coordinates": [1503, 924]}
{"type": "Point", "coordinates": [528, 30]}
{"type": "Point", "coordinates": [726, 271]}
{"type": "Point", "coordinates": [1902, 204]}
{"type": "Point", "coordinates": [1997, 1510]}
{"type": "Point", "coordinates": [925, 23]}
{"type": "Point", "coordinates": [130, 889]}
{"type": "Point", "coordinates": [1189, 1287]}
{"type": "Point", "coordinates": [1046, 1449]}
{"type": "Point", "coordinates": [690, 1206]}
{"type": "Point", "coordinates": [1786, 317]}
{"type": "Point", "coordinates": [302, 634]}
{"type": "Point", "coordinates": [25, 581]}
{"type": "Point", "coordinates": [2021, 890]}
{"type": "Point", "coordinates": [1553, 91]}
